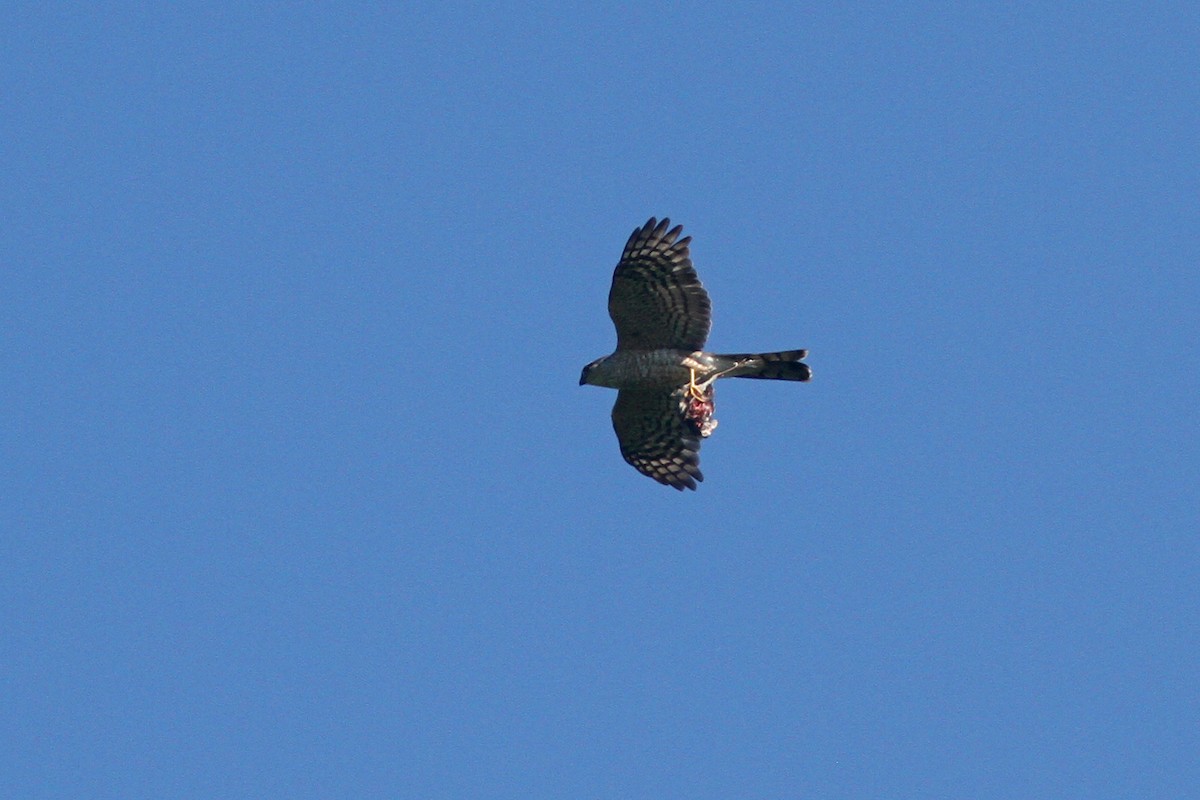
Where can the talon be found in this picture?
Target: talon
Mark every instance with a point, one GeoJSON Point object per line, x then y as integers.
{"type": "Point", "coordinates": [695, 390]}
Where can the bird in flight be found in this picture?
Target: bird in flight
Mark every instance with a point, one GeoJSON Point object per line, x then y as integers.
{"type": "Point", "coordinates": [664, 378]}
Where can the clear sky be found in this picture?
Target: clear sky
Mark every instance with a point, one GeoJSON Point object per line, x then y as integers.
{"type": "Point", "coordinates": [301, 499]}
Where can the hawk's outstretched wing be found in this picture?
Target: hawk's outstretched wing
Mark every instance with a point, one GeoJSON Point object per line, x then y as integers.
{"type": "Point", "coordinates": [656, 298]}
{"type": "Point", "coordinates": [655, 438]}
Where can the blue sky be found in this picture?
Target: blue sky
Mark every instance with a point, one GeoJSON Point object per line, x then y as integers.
{"type": "Point", "coordinates": [301, 498]}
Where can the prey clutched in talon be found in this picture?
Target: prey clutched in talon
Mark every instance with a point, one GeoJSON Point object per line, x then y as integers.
{"type": "Point", "coordinates": [698, 402]}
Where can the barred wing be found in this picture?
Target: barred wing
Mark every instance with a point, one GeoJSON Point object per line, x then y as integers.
{"type": "Point", "coordinates": [655, 438]}
{"type": "Point", "coordinates": [657, 299]}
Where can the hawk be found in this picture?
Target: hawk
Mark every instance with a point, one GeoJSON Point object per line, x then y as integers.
{"type": "Point", "coordinates": [663, 375]}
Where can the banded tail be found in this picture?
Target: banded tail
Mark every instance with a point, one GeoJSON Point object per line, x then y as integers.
{"type": "Point", "coordinates": [782, 366]}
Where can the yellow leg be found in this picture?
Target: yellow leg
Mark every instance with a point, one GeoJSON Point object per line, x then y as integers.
{"type": "Point", "coordinates": [695, 390]}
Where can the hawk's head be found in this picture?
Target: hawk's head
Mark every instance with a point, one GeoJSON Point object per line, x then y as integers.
{"type": "Point", "coordinates": [583, 376]}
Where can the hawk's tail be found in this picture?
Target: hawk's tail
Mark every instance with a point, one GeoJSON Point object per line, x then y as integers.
{"type": "Point", "coordinates": [782, 366]}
